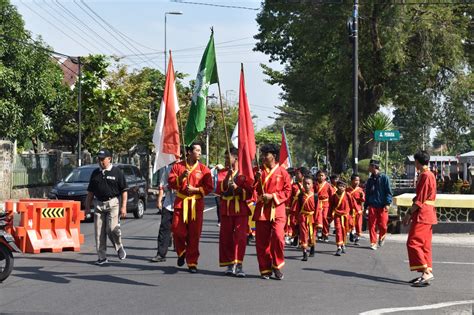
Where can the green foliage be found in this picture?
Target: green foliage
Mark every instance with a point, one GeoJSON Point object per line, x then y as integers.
{"type": "Point", "coordinates": [408, 55]}
{"type": "Point", "coordinates": [31, 88]}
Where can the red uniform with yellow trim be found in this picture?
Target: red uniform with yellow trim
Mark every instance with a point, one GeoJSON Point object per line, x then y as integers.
{"type": "Point", "coordinates": [422, 221]}
{"type": "Point", "coordinates": [189, 208]}
{"type": "Point", "coordinates": [324, 192]}
{"type": "Point", "coordinates": [271, 218]}
{"type": "Point", "coordinates": [340, 208]}
{"type": "Point", "coordinates": [234, 218]}
{"type": "Point", "coordinates": [307, 205]}
{"type": "Point", "coordinates": [293, 209]}
{"type": "Point", "coordinates": [358, 199]}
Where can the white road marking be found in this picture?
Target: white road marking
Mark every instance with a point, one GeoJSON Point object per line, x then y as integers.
{"type": "Point", "coordinates": [449, 262]}
{"type": "Point", "coordinates": [416, 308]}
{"type": "Point", "coordinates": [211, 208]}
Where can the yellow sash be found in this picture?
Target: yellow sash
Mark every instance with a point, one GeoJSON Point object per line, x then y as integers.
{"type": "Point", "coordinates": [429, 202]}
{"type": "Point", "coordinates": [272, 211]}
{"type": "Point", "coordinates": [339, 203]}
{"type": "Point", "coordinates": [236, 203]}
{"type": "Point", "coordinates": [193, 199]}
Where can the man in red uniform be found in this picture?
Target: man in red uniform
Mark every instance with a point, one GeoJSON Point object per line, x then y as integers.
{"type": "Point", "coordinates": [192, 181]}
{"type": "Point", "coordinates": [273, 186]}
{"type": "Point", "coordinates": [324, 191]}
{"type": "Point", "coordinates": [235, 191]}
{"type": "Point", "coordinates": [307, 207]}
{"type": "Point", "coordinates": [358, 198]}
{"type": "Point", "coordinates": [422, 216]}
{"type": "Point", "coordinates": [340, 207]}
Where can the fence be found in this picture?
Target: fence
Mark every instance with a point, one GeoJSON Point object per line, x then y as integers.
{"type": "Point", "coordinates": [398, 183]}
{"type": "Point", "coordinates": [42, 169]}
{"type": "Point", "coordinates": [46, 169]}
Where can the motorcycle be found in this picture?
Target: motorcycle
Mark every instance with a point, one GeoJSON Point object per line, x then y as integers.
{"type": "Point", "coordinates": [7, 245]}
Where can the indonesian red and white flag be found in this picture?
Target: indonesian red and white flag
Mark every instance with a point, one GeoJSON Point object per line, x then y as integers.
{"type": "Point", "coordinates": [246, 134]}
{"type": "Point", "coordinates": [166, 134]}
{"type": "Point", "coordinates": [285, 157]}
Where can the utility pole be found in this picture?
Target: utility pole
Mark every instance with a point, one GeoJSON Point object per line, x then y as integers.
{"type": "Point", "coordinates": [79, 109]}
{"type": "Point", "coordinates": [355, 109]}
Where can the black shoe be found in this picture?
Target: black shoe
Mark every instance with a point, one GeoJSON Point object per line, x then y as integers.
{"type": "Point", "coordinates": [351, 237]}
{"type": "Point", "coordinates": [334, 232]}
{"type": "Point", "coordinates": [311, 251]}
{"type": "Point", "coordinates": [101, 262]}
{"type": "Point", "coordinates": [319, 234]}
{"type": "Point", "coordinates": [338, 252]}
{"type": "Point", "coordinates": [181, 260]}
{"type": "Point", "coordinates": [295, 241]}
{"type": "Point", "coordinates": [158, 258]}
{"type": "Point", "coordinates": [356, 241]}
{"type": "Point", "coordinates": [239, 271]}
{"type": "Point", "coordinates": [278, 274]}
{"type": "Point", "coordinates": [305, 255]}
{"type": "Point", "coordinates": [266, 276]}
{"type": "Point", "coordinates": [192, 269]}
{"type": "Point", "coordinates": [325, 239]}
{"type": "Point", "coordinates": [343, 249]}
{"type": "Point", "coordinates": [121, 253]}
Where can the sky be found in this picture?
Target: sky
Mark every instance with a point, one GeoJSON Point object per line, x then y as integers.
{"type": "Point", "coordinates": [69, 27]}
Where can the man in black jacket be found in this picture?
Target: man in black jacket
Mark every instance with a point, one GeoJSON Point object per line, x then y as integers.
{"type": "Point", "coordinates": [378, 199]}
{"type": "Point", "coordinates": [107, 184]}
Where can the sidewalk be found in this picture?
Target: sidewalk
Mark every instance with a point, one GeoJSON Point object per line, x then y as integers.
{"type": "Point", "coordinates": [461, 240]}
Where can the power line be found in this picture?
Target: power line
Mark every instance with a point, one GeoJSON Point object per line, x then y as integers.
{"type": "Point", "coordinates": [53, 25]}
{"type": "Point", "coordinates": [37, 46]}
{"type": "Point", "coordinates": [62, 24]}
{"type": "Point", "coordinates": [97, 23]}
{"type": "Point", "coordinates": [85, 25]}
{"type": "Point", "coordinates": [216, 5]}
{"type": "Point", "coordinates": [113, 29]}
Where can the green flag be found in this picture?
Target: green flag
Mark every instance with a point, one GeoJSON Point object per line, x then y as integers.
{"type": "Point", "coordinates": [207, 75]}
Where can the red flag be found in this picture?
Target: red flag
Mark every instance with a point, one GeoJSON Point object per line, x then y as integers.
{"type": "Point", "coordinates": [285, 158]}
{"type": "Point", "coordinates": [247, 147]}
{"type": "Point", "coordinates": [166, 134]}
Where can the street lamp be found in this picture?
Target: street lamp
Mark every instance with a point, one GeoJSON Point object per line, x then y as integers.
{"type": "Point", "coordinates": [172, 13]}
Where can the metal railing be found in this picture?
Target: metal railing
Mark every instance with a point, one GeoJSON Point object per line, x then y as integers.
{"type": "Point", "coordinates": [398, 183]}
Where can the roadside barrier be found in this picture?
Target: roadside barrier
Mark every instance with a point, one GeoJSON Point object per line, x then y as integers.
{"type": "Point", "coordinates": [48, 225]}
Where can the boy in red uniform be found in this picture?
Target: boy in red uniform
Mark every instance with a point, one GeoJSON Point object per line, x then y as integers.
{"type": "Point", "coordinates": [289, 226]}
{"type": "Point", "coordinates": [307, 205]}
{"type": "Point", "coordinates": [273, 186]}
{"type": "Point", "coordinates": [324, 192]}
{"type": "Point", "coordinates": [192, 181]}
{"type": "Point", "coordinates": [235, 191]}
{"type": "Point", "coordinates": [422, 216]}
{"type": "Point", "coordinates": [340, 207]}
{"type": "Point", "coordinates": [296, 191]}
{"type": "Point", "coordinates": [358, 198]}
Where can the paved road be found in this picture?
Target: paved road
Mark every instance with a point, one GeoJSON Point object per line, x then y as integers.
{"type": "Point", "coordinates": [360, 281]}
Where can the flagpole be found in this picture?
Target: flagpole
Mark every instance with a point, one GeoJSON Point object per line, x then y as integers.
{"type": "Point", "coordinates": [223, 120]}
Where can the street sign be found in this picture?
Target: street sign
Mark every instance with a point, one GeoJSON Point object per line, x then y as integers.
{"type": "Point", "coordinates": [387, 135]}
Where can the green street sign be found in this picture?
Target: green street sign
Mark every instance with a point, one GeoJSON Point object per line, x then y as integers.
{"type": "Point", "coordinates": [387, 135]}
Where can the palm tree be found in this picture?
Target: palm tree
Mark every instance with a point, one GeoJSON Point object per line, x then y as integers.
{"type": "Point", "coordinates": [377, 121]}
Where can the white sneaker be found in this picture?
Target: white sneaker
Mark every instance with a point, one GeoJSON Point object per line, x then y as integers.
{"type": "Point", "coordinates": [373, 246]}
{"type": "Point", "coordinates": [230, 270]}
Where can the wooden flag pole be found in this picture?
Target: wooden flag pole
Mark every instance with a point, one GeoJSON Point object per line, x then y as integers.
{"type": "Point", "coordinates": [223, 120]}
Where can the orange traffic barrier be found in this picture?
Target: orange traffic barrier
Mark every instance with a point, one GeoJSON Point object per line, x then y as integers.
{"type": "Point", "coordinates": [49, 225]}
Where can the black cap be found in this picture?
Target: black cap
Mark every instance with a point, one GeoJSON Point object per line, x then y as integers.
{"type": "Point", "coordinates": [374, 163]}
{"type": "Point", "coordinates": [341, 183]}
{"type": "Point", "coordinates": [103, 153]}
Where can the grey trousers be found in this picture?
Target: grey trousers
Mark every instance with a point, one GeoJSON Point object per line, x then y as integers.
{"type": "Point", "coordinates": [106, 222]}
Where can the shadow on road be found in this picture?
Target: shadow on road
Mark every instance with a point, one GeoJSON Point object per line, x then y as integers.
{"type": "Point", "coordinates": [351, 274]}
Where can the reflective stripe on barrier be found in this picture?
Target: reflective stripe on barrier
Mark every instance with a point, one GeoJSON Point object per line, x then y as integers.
{"type": "Point", "coordinates": [49, 225]}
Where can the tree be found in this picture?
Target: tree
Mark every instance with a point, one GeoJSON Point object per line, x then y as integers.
{"type": "Point", "coordinates": [405, 54]}
{"type": "Point", "coordinates": [31, 87]}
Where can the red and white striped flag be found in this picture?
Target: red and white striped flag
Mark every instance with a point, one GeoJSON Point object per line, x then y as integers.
{"type": "Point", "coordinates": [166, 134]}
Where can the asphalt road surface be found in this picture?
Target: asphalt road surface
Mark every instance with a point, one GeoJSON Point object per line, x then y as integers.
{"type": "Point", "coordinates": [360, 281]}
